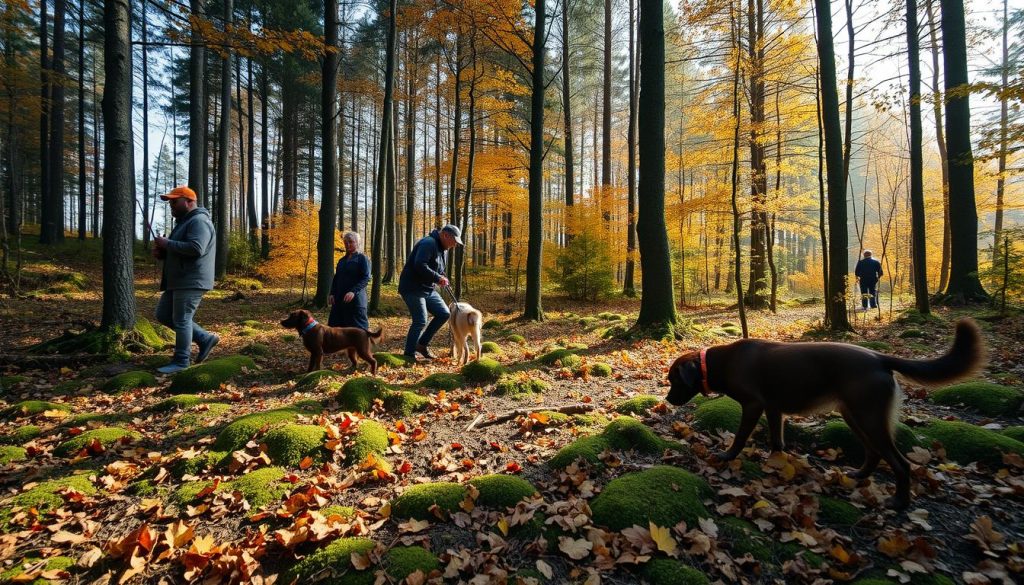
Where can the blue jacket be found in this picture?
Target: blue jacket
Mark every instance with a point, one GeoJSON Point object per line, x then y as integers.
{"type": "Point", "coordinates": [424, 267]}
{"type": "Point", "coordinates": [191, 250]}
{"type": "Point", "coordinates": [351, 276]}
{"type": "Point", "coordinates": [868, 270]}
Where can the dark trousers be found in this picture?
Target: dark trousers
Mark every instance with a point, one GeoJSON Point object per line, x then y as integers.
{"type": "Point", "coordinates": [869, 293]}
{"type": "Point", "coordinates": [347, 315]}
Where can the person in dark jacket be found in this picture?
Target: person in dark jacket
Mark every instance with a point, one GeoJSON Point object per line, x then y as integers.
{"type": "Point", "coordinates": [348, 289]}
{"type": "Point", "coordinates": [424, 268]}
{"type": "Point", "coordinates": [868, 271]}
{"type": "Point", "coordinates": [188, 255]}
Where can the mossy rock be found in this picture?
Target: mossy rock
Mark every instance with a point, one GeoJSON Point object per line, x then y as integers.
{"type": "Point", "coordinates": [609, 316]}
{"type": "Point", "coordinates": [370, 437]}
{"type": "Point", "coordinates": [662, 571]}
{"type": "Point", "coordinates": [987, 398]}
{"type": "Point", "coordinates": [614, 331]}
{"type": "Point", "coordinates": [743, 537]}
{"type": "Point", "coordinates": [624, 433]}
{"type": "Point", "coordinates": [47, 495]}
{"type": "Point", "coordinates": [587, 321]}
{"type": "Point", "coordinates": [663, 494]}
{"type": "Point", "coordinates": [107, 437]}
{"type": "Point", "coordinates": [482, 371]}
{"type": "Point", "coordinates": [911, 334]}
{"type": "Point", "coordinates": [915, 317]}
{"type": "Point", "coordinates": [490, 347]}
{"type": "Point", "coordinates": [12, 575]}
{"type": "Point", "coordinates": [334, 564]}
{"type": "Point", "coordinates": [256, 349]}
{"type": "Point", "coordinates": [155, 335]}
{"type": "Point", "coordinates": [358, 394]}
{"type": "Point", "coordinates": [239, 431]}
{"type": "Point", "coordinates": [260, 487]}
{"type": "Point", "coordinates": [107, 419]}
{"type": "Point", "coordinates": [404, 403]}
{"type": "Point", "coordinates": [179, 402]}
{"type": "Point", "coordinates": [558, 356]}
{"type": "Point", "coordinates": [21, 435]}
{"type": "Point", "coordinates": [28, 408]}
{"type": "Point", "coordinates": [718, 414]}
{"type": "Point", "coordinates": [966, 443]}
{"type": "Point", "coordinates": [837, 435]}
{"type": "Point", "coordinates": [637, 404]}
{"type": "Point", "coordinates": [10, 454]}
{"type": "Point", "coordinates": [402, 561]}
{"type": "Point", "coordinates": [600, 369]}
{"type": "Point", "coordinates": [492, 324]}
{"type": "Point", "coordinates": [442, 381]}
{"type": "Point", "coordinates": [875, 345]}
{"type": "Point", "coordinates": [416, 501]}
{"type": "Point", "coordinates": [520, 385]}
{"type": "Point", "coordinates": [576, 346]}
{"type": "Point", "coordinates": [313, 380]}
{"type": "Point", "coordinates": [1015, 433]}
{"type": "Point", "coordinates": [209, 375]}
{"type": "Point", "coordinates": [517, 339]}
{"type": "Point", "coordinates": [392, 360]}
{"type": "Point", "coordinates": [129, 381]}
{"type": "Point", "coordinates": [8, 382]}
{"type": "Point", "coordinates": [256, 324]}
{"type": "Point", "coordinates": [501, 491]}
{"type": "Point", "coordinates": [197, 465]}
{"type": "Point", "coordinates": [838, 512]}
{"type": "Point", "coordinates": [289, 444]}
{"type": "Point", "coordinates": [289, 337]}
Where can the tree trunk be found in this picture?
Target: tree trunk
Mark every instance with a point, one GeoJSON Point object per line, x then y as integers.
{"type": "Point", "coordinates": [438, 197]}
{"type": "Point", "coordinates": [757, 291]}
{"type": "Point", "coordinates": [145, 126]}
{"type": "Point", "coordinates": [570, 163]}
{"type": "Point", "coordinates": [329, 157]}
{"type": "Point", "coordinates": [964, 285]}
{"type": "Point", "coordinates": [81, 122]}
{"type": "Point", "coordinates": [224, 164]}
{"type": "Point", "coordinates": [453, 183]}
{"type": "Point", "coordinates": [628, 287]}
{"type": "Point", "coordinates": [606, 111]}
{"type": "Point", "coordinates": [52, 230]}
{"type": "Point", "coordinates": [657, 308]}
{"type": "Point", "coordinates": [410, 146]}
{"type": "Point", "coordinates": [382, 158]}
{"type": "Point", "coordinates": [916, 164]}
{"type": "Point", "coordinates": [460, 251]}
{"type": "Point", "coordinates": [534, 310]}
{"type": "Point", "coordinates": [838, 237]}
{"type": "Point", "coordinates": [997, 242]}
{"type": "Point", "coordinates": [391, 194]}
{"type": "Point", "coordinates": [734, 176]}
{"type": "Point", "coordinates": [118, 231]}
{"type": "Point", "coordinates": [97, 122]}
{"type": "Point", "coordinates": [940, 140]}
{"type": "Point", "coordinates": [45, 231]}
{"type": "Point", "coordinates": [264, 164]}
{"type": "Point", "coordinates": [197, 110]}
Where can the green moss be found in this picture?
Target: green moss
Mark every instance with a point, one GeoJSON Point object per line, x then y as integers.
{"type": "Point", "coordinates": [343, 511]}
{"type": "Point", "coordinates": [52, 564]}
{"type": "Point", "coordinates": [313, 380]}
{"type": "Point", "coordinates": [402, 561]}
{"type": "Point", "coordinates": [392, 360]}
{"type": "Point", "coordinates": [838, 512]}
{"type": "Point", "coordinates": [911, 334]}
{"type": "Point", "coordinates": [492, 324]}
{"type": "Point", "coordinates": [490, 347]}
{"type": "Point", "coordinates": [357, 394]}
{"type": "Point", "coordinates": [209, 375]}
{"type": "Point", "coordinates": [623, 433]}
{"type": "Point", "coordinates": [836, 435]}
{"type": "Point", "coordinates": [517, 339]}
{"type": "Point", "coordinates": [106, 436]}
{"type": "Point", "coordinates": [600, 369]}
{"type": "Point", "coordinates": [442, 381]}
{"type": "Point", "coordinates": [129, 381]}
{"type": "Point", "coordinates": [256, 349]}
{"type": "Point", "coordinates": [96, 418]}
{"type": "Point", "coordinates": [520, 385]}
{"type": "Point", "coordinates": [31, 408]}
{"type": "Point", "coordinates": [370, 437]}
{"type": "Point", "coordinates": [609, 316]}
{"type": "Point", "coordinates": [743, 537]}
{"type": "Point", "coordinates": [404, 403]}
{"type": "Point", "coordinates": [142, 488]}
{"type": "Point", "coordinates": [243, 283]}
{"type": "Point", "coordinates": [197, 465]}
{"type": "Point", "coordinates": [290, 443]}
{"type": "Point", "coordinates": [334, 562]}
{"type": "Point", "coordinates": [966, 443]}
{"type": "Point", "coordinates": [987, 398]}
{"type": "Point", "coordinates": [289, 337]}
{"type": "Point", "coordinates": [1015, 433]}
{"type": "Point", "coordinates": [501, 491]}
{"type": "Point", "coordinates": [614, 331]}
{"type": "Point", "coordinates": [47, 495]}
{"type": "Point", "coordinates": [154, 335]}
{"type": "Point", "coordinates": [662, 494]}
{"type": "Point", "coordinates": [557, 357]}
{"type": "Point", "coordinates": [259, 487]}
{"type": "Point", "coordinates": [555, 418]}
{"type": "Point", "coordinates": [179, 402]}
{"type": "Point", "coordinates": [8, 382]}
{"type": "Point", "coordinates": [483, 370]}
{"type": "Point", "coordinates": [663, 571]}
{"type": "Point", "coordinates": [719, 414]}
{"type": "Point", "coordinates": [638, 404]}
{"type": "Point", "coordinates": [875, 345]}
{"type": "Point", "coordinates": [238, 432]}
{"type": "Point", "coordinates": [10, 453]}
{"type": "Point", "coordinates": [21, 435]}
{"type": "Point", "coordinates": [416, 501]}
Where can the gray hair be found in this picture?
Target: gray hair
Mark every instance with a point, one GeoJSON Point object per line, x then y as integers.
{"type": "Point", "coordinates": [869, 252]}
{"type": "Point", "coordinates": [353, 237]}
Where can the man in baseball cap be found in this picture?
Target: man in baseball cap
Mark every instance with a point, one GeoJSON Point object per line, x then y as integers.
{"type": "Point", "coordinates": [424, 268]}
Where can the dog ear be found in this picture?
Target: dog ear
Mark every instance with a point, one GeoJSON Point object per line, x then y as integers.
{"type": "Point", "coordinates": [690, 373]}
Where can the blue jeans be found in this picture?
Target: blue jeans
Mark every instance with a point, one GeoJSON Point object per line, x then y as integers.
{"type": "Point", "coordinates": [869, 291]}
{"type": "Point", "coordinates": [419, 305]}
{"type": "Point", "coordinates": [175, 310]}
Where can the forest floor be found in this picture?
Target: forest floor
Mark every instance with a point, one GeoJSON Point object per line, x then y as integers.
{"type": "Point", "coordinates": [149, 479]}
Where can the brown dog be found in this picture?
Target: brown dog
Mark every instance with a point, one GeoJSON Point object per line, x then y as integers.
{"type": "Point", "coordinates": [320, 339]}
{"type": "Point", "coordinates": [794, 378]}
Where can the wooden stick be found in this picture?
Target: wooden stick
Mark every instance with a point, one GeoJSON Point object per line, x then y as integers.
{"type": "Point", "coordinates": [569, 409]}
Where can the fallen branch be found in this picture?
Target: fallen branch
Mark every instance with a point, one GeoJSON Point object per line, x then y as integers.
{"type": "Point", "coordinates": [569, 409]}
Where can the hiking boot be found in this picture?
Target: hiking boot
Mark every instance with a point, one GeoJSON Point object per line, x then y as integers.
{"type": "Point", "coordinates": [172, 368]}
{"type": "Point", "coordinates": [204, 350]}
{"type": "Point", "coordinates": [424, 351]}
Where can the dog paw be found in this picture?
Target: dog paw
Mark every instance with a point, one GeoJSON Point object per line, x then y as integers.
{"type": "Point", "coordinates": [897, 503]}
{"type": "Point", "coordinates": [723, 456]}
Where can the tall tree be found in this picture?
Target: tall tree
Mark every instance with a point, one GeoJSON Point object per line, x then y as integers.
{"type": "Point", "coordinates": [628, 287]}
{"type": "Point", "coordinates": [118, 231]}
{"type": "Point", "coordinates": [838, 237]}
{"type": "Point", "coordinates": [964, 285]}
{"type": "Point", "coordinates": [264, 162]}
{"type": "Point", "coordinates": [606, 108]}
{"type": "Point", "coordinates": [757, 291]}
{"type": "Point", "coordinates": [44, 123]}
{"type": "Point", "coordinates": [940, 141]}
{"type": "Point", "coordinates": [535, 241]}
{"type": "Point", "coordinates": [383, 154]}
{"type": "Point", "coordinates": [920, 265]}
{"type": "Point", "coordinates": [567, 109]}
{"type": "Point", "coordinates": [329, 157]}
{"type": "Point", "coordinates": [1004, 116]}
{"type": "Point", "coordinates": [657, 307]}
{"type": "Point", "coordinates": [52, 229]}
{"type": "Point", "coordinates": [81, 122]}
{"type": "Point", "coordinates": [223, 222]}
{"type": "Point", "coordinates": [145, 124]}
{"type": "Point", "coordinates": [196, 107]}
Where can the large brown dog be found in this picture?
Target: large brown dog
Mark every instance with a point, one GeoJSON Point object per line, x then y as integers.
{"type": "Point", "coordinates": [320, 339]}
{"type": "Point", "coordinates": [798, 378]}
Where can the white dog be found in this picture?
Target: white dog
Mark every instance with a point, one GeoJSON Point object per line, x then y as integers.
{"type": "Point", "coordinates": [465, 322]}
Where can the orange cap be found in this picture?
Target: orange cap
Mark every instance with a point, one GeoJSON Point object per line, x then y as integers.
{"type": "Point", "coordinates": [180, 193]}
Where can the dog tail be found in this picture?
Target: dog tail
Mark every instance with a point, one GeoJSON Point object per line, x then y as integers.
{"type": "Point", "coordinates": [472, 318]}
{"type": "Point", "coordinates": [376, 336]}
{"type": "Point", "coordinates": [963, 359]}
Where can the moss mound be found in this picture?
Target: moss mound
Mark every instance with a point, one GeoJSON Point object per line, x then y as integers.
{"type": "Point", "coordinates": [911, 334]}
{"type": "Point", "coordinates": [10, 453]}
{"type": "Point", "coordinates": [47, 495]}
{"type": "Point", "coordinates": [31, 408]}
{"type": "Point", "coordinates": [442, 381]}
{"type": "Point", "coordinates": [256, 349]}
{"type": "Point", "coordinates": [517, 339]}
{"type": "Point", "coordinates": [416, 501]}
{"type": "Point", "coordinates": [492, 324]}
{"type": "Point", "coordinates": [106, 436]}
{"type": "Point", "coordinates": [501, 491]}
{"type": "Point", "coordinates": [260, 487]}
{"type": "Point", "coordinates": [334, 561]}
{"type": "Point", "coordinates": [718, 414]}
{"type": "Point", "coordinates": [663, 571]}
{"type": "Point", "coordinates": [290, 443]}
{"type": "Point", "coordinates": [21, 435]}
{"type": "Point", "coordinates": [129, 381]}
{"type": "Point", "coordinates": [313, 380]}
{"type": "Point", "coordinates": [600, 369]}
{"type": "Point", "coordinates": [392, 360]}
{"type": "Point", "coordinates": [743, 537]}
{"type": "Point", "coordinates": [490, 347]}
{"type": "Point", "coordinates": [662, 494]}
{"type": "Point", "coordinates": [637, 404]}
{"type": "Point", "coordinates": [838, 512]}
{"type": "Point", "coordinates": [402, 561]}
{"type": "Point", "coordinates": [9, 382]}
{"type": "Point", "coordinates": [358, 394]}
{"type": "Point", "coordinates": [238, 432]}
{"type": "Point", "coordinates": [179, 402]}
{"type": "Point", "coordinates": [370, 437]}
{"type": "Point", "coordinates": [614, 331]}
{"type": "Point", "coordinates": [209, 375]}
{"type": "Point", "coordinates": [966, 443]}
{"type": "Point", "coordinates": [483, 371]}
{"type": "Point", "coordinates": [623, 433]}
{"type": "Point", "coordinates": [405, 403]}
{"type": "Point", "coordinates": [987, 398]}
{"type": "Point", "coordinates": [558, 357]}
{"type": "Point", "coordinates": [520, 385]}
{"type": "Point", "coordinates": [837, 435]}
{"type": "Point", "coordinates": [609, 316]}
{"type": "Point", "coordinates": [1015, 433]}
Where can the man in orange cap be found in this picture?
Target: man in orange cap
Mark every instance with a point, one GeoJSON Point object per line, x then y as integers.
{"type": "Point", "coordinates": [188, 255]}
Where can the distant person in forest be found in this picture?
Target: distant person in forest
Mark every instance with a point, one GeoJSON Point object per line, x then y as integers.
{"type": "Point", "coordinates": [188, 255]}
{"type": "Point", "coordinates": [423, 269]}
{"type": "Point", "coordinates": [868, 271]}
{"type": "Point", "coordinates": [348, 289]}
